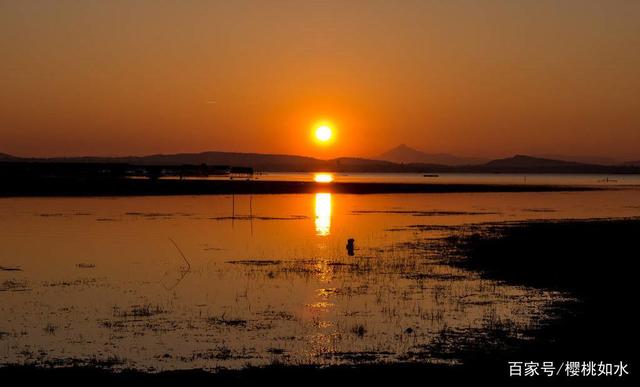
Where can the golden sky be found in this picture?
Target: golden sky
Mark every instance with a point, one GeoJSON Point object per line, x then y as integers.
{"type": "Point", "coordinates": [484, 78]}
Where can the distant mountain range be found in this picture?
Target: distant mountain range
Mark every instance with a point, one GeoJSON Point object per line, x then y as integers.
{"type": "Point", "coordinates": [406, 155]}
{"type": "Point", "coordinates": [288, 163]}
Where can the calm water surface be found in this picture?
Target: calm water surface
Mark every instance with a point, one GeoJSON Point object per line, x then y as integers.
{"type": "Point", "coordinates": [264, 278]}
{"type": "Point", "coordinates": [461, 178]}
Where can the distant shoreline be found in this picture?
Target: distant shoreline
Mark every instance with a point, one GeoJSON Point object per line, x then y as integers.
{"type": "Point", "coordinates": [264, 162]}
{"type": "Point", "coordinates": [41, 187]}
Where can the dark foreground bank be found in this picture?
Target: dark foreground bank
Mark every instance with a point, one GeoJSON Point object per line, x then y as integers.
{"type": "Point", "coordinates": [406, 374]}
{"type": "Point", "coordinates": [129, 187]}
{"type": "Point", "coordinates": [591, 260]}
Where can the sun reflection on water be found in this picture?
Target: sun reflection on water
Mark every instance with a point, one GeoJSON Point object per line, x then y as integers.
{"type": "Point", "coordinates": [323, 178]}
{"type": "Point", "coordinates": [323, 214]}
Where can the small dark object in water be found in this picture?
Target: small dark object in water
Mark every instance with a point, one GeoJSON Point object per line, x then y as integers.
{"type": "Point", "coordinates": [359, 330]}
{"type": "Point", "coordinates": [431, 175]}
{"type": "Point", "coordinates": [10, 268]}
{"type": "Point", "coordinates": [350, 247]}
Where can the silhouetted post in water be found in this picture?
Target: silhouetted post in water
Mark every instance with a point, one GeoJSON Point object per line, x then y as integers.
{"type": "Point", "coordinates": [251, 213]}
{"type": "Point", "coordinates": [350, 247]}
{"type": "Point", "coordinates": [233, 210]}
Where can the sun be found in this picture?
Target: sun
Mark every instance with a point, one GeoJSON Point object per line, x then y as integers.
{"type": "Point", "coordinates": [323, 134]}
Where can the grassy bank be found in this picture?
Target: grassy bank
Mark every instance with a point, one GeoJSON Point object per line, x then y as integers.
{"type": "Point", "coordinates": [593, 260]}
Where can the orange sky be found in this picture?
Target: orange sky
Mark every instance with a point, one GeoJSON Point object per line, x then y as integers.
{"type": "Point", "coordinates": [485, 78]}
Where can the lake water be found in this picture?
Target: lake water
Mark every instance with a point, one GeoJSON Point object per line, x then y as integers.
{"type": "Point", "coordinates": [264, 278]}
{"type": "Point", "coordinates": [597, 180]}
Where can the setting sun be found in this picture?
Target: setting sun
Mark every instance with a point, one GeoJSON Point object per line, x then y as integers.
{"type": "Point", "coordinates": [323, 133]}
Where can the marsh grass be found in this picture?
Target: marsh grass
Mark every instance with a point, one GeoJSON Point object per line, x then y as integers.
{"type": "Point", "coordinates": [14, 285]}
{"type": "Point", "coordinates": [50, 329]}
{"type": "Point", "coordinates": [146, 310]}
{"type": "Point", "coordinates": [359, 330]}
{"type": "Point", "coordinates": [226, 321]}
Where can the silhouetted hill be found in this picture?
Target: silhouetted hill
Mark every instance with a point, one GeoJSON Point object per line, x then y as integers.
{"type": "Point", "coordinates": [529, 161]}
{"type": "Point", "coordinates": [407, 155]}
{"type": "Point", "coordinates": [7, 157]}
{"type": "Point", "coordinates": [256, 160]}
{"type": "Point", "coordinates": [528, 164]}
{"type": "Point", "coordinates": [633, 163]}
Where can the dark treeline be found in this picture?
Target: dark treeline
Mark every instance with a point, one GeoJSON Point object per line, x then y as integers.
{"type": "Point", "coordinates": [96, 170]}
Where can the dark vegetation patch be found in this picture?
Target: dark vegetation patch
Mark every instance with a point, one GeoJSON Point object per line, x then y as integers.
{"type": "Point", "coordinates": [146, 310]}
{"type": "Point", "coordinates": [272, 315]}
{"type": "Point", "coordinates": [589, 259]}
{"type": "Point", "coordinates": [343, 264]}
{"type": "Point", "coordinates": [220, 352]}
{"type": "Point", "coordinates": [275, 374]}
{"type": "Point", "coordinates": [158, 215]}
{"type": "Point", "coordinates": [255, 262]}
{"type": "Point", "coordinates": [227, 321]}
{"type": "Point", "coordinates": [249, 217]}
{"type": "Point", "coordinates": [50, 329]}
{"type": "Point", "coordinates": [12, 285]}
{"type": "Point", "coordinates": [452, 344]}
{"type": "Point", "coordinates": [10, 268]}
{"type": "Point", "coordinates": [39, 365]}
{"type": "Point", "coordinates": [77, 282]}
{"type": "Point", "coordinates": [540, 210]}
{"type": "Point", "coordinates": [359, 356]}
{"type": "Point", "coordinates": [422, 213]}
{"type": "Point", "coordinates": [435, 276]}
